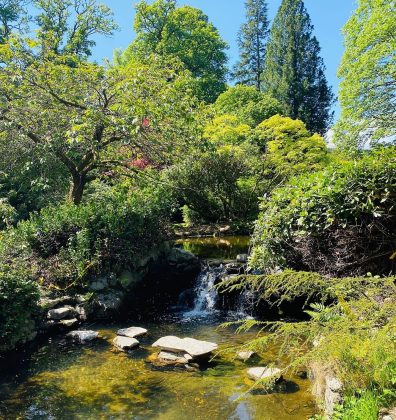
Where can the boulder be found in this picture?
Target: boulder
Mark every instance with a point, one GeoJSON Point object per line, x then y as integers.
{"type": "Point", "coordinates": [125, 343]}
{"type": "Point", "coordinates": [333, 394]}
{"type": "Point", "coordinates": [99, 284]}
{"type": "Point", "coordinates": [83, 336]}
{"type": "Point", "coordinates": [258, 373]}
{"type": "Point", "coordinates": [132, 332]}
{"type": "Point", "coordinates": [195, 348]}
{"type": "Point", "coordinates": [242, 258]}
{"type": "Point", "coordinates": [245, 355]}
{"type": "Point", "coordinates": [60, 313]}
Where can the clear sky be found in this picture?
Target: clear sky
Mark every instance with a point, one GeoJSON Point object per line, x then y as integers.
{"type": "Point", "coordinates": [328, 17]}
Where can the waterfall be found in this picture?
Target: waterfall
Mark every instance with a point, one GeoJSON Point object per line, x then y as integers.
{"type": "Point", "coordinates": [205, 293]}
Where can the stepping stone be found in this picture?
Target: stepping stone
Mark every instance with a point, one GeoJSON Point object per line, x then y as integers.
{"type": "Point", "coordinates": [258, 373]}
{"type": "Point", "coordinates": [174, 358]}
{"type": "Point", "coordinates": [245, 355]}
{"type": "Point", "coordinates": [83, 336]}
{"type": "Point", "coordinates": [60, 313]}
{"type": "Point", "coordinates": [132, 332]}
{"type": "Point", "coordinates": [125, 343]}
{"type": "Point", "coordinates": [195, 348]}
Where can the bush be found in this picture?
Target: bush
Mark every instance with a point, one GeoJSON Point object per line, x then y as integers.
{"type": "Point", "coordinates": [114, 230]}
{"type": "Point", "coordinates": [248, 104]}
{"type": "Point", "coordinates": [18, 304]}
{"type": "Point", "coordinates": [339, 221]}
{"type": "Point", "coordinates": [221, 185]}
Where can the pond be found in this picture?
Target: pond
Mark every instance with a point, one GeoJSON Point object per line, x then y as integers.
{"type": "Point", "coordinates": [61, 380]}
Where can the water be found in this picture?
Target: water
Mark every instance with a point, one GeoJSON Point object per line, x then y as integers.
{"type": "Point", "coordinates": [61, 380]}
{"type": "Point", "coordinates": [205, 292]}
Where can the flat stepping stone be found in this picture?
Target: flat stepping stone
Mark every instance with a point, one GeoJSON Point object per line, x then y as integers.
{"type": "Point", "coordinates": [132, 332]}
{"type": "Point", "coordinates": [259, 373]}
{"type": "Point", "coordinates": [69, 323]}
{"type": "Point", "coordinates": [125, 343]}
{"type": "Point", "coordinates": [195, 348]}
{"type": "Point", "coordinates": [83, 336]}
{"type": "Point", "coordinates": [60, 313]}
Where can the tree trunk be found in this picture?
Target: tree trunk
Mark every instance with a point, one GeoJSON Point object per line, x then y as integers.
{"type": "Point", "coordinates": [77, 187]}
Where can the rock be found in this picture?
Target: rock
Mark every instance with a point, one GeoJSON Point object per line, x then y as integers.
{"type": "Point", "coordinates": [242, 258]}
{"type": "Point", "coordinates": [332, 396]}
{"type": "Point", "coordinates": [99, 284]}
{"type": "Point", "coordinates": [83, 336]}
{"type": "Point", "coordinates": [388, 414]}
{"type": "Point", "coordinates": [60, 313]}
{"type": "Point", "coordinates": [125, 343]}
{"type": "Point", "coordinates": [245, 355]}
{"type": "Point", "coordinates": [194, 348]}
{"type": "Point", "coordinates": [174, 358]}
{"type": "Point", "coordinates": [257, 373]}
{"type": "Point", "coordinates": [132, 332]}
{"type": "Point", "coordinates": [105, 305]}
{"type": "Point", "coordinates": [69, 323]}
{"type": "Point", "coordinates": [225, 229]}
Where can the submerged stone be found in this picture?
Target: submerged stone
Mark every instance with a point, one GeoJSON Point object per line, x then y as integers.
{"type": "Point", "coordinates": [259, 373]}
{"type": "Point", "coordinates": [132, 332]}
{"type": "Point", "coordinates": [245, 355]}
{"type": "Point", "coordinates": [125, 343]}
{"type": "Point", "coordinates": [195, 348]}
{"type": "Point", "coordinates": [83, 336]}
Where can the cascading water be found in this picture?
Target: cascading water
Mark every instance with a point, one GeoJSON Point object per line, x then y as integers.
{"type": "Point", "coordinates": [205, 292]}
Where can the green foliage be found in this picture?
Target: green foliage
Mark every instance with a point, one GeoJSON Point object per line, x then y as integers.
{"type": "Point", "coordinates": [318, 220]}
{"type": "Point", "coordinates": [291, 149]}
{"type": "Point", "coordinates": [91, 119]}
{"type": "Point", "coordinates": [12, 15]}
{"type": "Point", "coordinates": [67, 26]}
{"type": "Point", "coordinates": [184, 33]}
{"type": "Point", "coordinates": [226, 130]}
{"type": "Point", "coordinates": [294, 72]}
{"type": "Point", "coordinates": [354, 336]}
{"type": "Point", "coordinates": [18, 304]}
{"type": "Point", "coordinates": [115, 230]}
{"type": "Point", "coordinates": [252, 39]}
{"type": "Point", "coordinates": [219, 185]}
{"type": "Point", "coordinates": [368, 72]}
{"type": "Point", "coordinates": [365, 407]}
{"type": "Point", "coordinates": [248, 104]}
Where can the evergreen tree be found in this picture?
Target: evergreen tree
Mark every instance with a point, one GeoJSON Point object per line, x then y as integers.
{"type": "Point", "coordinates": [294, 72]}
{"type": "Point", "coordinates": [252, 40]}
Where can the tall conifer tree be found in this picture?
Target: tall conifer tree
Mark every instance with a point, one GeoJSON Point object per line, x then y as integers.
{"type": "Point", "coordinates": [252, 39]}
{"type": "Point", "coordinates": [294, 72]}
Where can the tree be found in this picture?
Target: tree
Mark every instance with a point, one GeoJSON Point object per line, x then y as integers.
{"type": "Point", "coordinates": [289, 146]}
{"type": "Point", "coordinates": [368, 72]}
{"type": "Point", "coordinates": [67, 26]}
{"type": "Point", "coordinates": [248, 104]}
{"type": "Point", "coordinates": [185, 33]}
{"type": "Point", "coordinates": [252, 40]}
{"type": "Point", "coordinates": [226, 130]}
{"type": "Point", "coordinates": [93, 119]}
{"type": "Point", "coordinates": [294, 72]}
{"type": "Point", "coordinates": [11, 16]}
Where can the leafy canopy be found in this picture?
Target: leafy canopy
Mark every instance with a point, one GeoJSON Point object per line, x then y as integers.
{"type": "Point", "coordinates": [186, 33]}
{"type": "Point", "coordinates": [248, 104]}
{"type": "Point", "coordinates": [368, 72]}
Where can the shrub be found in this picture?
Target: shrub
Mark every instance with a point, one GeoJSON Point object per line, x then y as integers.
{"type": "Point", "coordinates": [18, 304]}
{"type": "Point", "coordinates": [248, 104]}
{"type": "Point", "coordinates": [114, 230]}
{"type": "Point", "coordinates": [221, 185]}
{"type": "Point", "coordinates": [338, 221]}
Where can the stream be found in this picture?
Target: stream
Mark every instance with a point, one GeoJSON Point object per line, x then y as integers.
{"type": "Point", "coordinates": [57, 379]}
